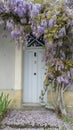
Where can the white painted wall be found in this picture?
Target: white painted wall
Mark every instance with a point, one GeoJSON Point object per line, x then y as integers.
{"type": "Point", "coordinates": [7, 61]}
{"type": "Point", "coordinates": [18, 68]}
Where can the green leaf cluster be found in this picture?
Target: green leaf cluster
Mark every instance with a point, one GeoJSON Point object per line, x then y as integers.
{"type": "Point", "coordinates": [4, 103]}
{"type": "Point", "coordinates": [68, 119]}
{"type": "Point", "coordinates": [68, 64]}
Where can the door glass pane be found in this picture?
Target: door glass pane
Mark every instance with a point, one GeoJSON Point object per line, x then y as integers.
{"type": "Point", "coordinates": [33, 41]}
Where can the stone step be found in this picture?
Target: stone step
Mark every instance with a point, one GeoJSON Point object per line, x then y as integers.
{"type": "Point", "coordinates": [32, 107]}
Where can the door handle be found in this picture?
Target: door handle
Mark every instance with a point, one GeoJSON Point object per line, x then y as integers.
{"type": "Point", "coordinates": [34, 73]}
{"type": "Point", "coordinates": [34, 54]}
{"type": "Point", "coordinates": [45, 73]}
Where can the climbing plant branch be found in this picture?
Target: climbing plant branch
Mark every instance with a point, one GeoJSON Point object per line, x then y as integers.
{"type": "Point", "coordinates": [53, 20]}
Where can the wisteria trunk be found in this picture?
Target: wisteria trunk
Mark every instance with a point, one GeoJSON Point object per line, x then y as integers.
{"type": "Point", "coordinates": [60, 105]}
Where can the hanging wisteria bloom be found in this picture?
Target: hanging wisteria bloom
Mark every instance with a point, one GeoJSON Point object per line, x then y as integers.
{"type": "Point", "coordinates": [15, 34]}
{"type": "Point", "coordinates": [35, 10]}
{"type": "Point", "coordinates": [64, 78]}
{"type": "Point", "coordinates": [20, 11]}
{"type": "Point", "coordinates": [51, 23]}
{"type": "Point", "coordinates": [9, 25]}
{"type": "Point", "coordinates": [41, 30]}
{"type": "Point", "coordinates": [44, 24]}
{"type": "Point", "coordinates": [2, 9]}
{"type": "Point", "coordinates": [1, 22]}
{"type": "Point", "coordinates": [23, 21]}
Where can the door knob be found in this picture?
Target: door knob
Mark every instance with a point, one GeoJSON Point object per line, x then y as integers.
{"type": "Point", "coordinates": [34, 54]}
{"type": "Point", "coordinates": [45, 73]}
{"type": "Point", "coordinates": [34, 73]}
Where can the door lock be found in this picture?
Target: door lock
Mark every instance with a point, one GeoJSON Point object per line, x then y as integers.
{"type": "Point", "coordinates": [34, 54]}
{"type": "Point", "coordinates": [34, 73]}
{"type": "Point", "coordinates": [45, 73]}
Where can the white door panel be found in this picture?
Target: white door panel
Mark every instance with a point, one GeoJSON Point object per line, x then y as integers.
{"type": "Point", "coordinates": [28, 75]}
{"type": "Point", "coordinates": [34, 71]}
{"type": "Point", "coordinates": [41, 65]}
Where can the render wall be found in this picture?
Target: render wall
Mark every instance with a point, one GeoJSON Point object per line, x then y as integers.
{"type": "Point", "coordinates": [68, 98]}
{"type": "Point", "coordinates": [7, 61]}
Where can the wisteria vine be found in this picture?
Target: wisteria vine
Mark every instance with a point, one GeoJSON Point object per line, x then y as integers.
{"type": "Point", "coordinates": [16, 16]}
{"type": "Point", "coordinates": [52, 20]}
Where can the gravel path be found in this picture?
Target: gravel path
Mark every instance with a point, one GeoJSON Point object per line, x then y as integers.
{"type": "Point", "coordinates": [42, 120]}
{"type": "Point", "coordinates": [8, 128]}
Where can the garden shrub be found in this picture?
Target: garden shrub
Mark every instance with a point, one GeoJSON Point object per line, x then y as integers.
{"type": "Point", "coordinates": [4, 103]}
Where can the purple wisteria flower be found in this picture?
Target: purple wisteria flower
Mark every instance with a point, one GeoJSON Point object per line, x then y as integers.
{"type": "Point", "coordinates": [23, 21]}
{"type": "Point", "coordinates": [15, 2]}
{"type": "Point", "coordinates": [62, 79]}
{"type": "Point", "coordinates": [45, 24]}
{"type": "Point", "coordinates": [60, 43]}
{"type": "Point", "coordinates": [41, 29]}
{"type": "Point", "coordinates": [9, 25]}
{"type": "Point", "coordinates": [19, 7]}
{"type": "Point", "coordinates": [19, 11]}
{"type": "Point", "coordinates": [21, 29]}
{"type": "Point", "coordinates": [35, 10]}
{"type": "Point", "coordinates": [2, 9]}
{"type": "Point", "coordinates": [10, 5]}
{"type": "Point", "coordinates": [1, 23]}
{"type": "Point", "coordinates": [62, 32]}
{"type": "Point", "coordinates": [51, 23]}
{"type": "Point", "coordinates": [15, 34]}
{"type": "Point", "coordinates": [59, 79]}
{"type": "Point", "coordinates": [62, 54]}
{"type": "Point", "coordinates": [59, 65]}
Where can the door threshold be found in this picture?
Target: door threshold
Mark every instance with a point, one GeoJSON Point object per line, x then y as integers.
{"type": "Point", "coordinates": [31, 104]}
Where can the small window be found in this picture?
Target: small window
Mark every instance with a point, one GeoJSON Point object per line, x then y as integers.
{"type": "Point", "coordinates": [34, 42]}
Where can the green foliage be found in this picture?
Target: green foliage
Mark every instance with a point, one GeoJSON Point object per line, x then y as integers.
{"type": "Point", "coordinates": [63, 128]}
{"type": "Point", "coordinates": [69, 64]}
{"type": "Point", "coordinates": [38, 1]}
{"type": "Point", "coordinates": [68, 119]}
{"type": "Point", "coordinates": [4, 103]}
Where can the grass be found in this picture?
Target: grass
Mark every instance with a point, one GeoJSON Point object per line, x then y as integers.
{"type": "Point", "coordinates": [68, 119]}
{"type": "Point", "coordinates": [63, 128]}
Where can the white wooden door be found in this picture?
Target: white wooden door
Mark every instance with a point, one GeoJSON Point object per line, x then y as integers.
{"type": "Point", "coordinates": [34, 74]}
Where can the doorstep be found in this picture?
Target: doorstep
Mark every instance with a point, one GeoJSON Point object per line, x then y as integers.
{"type": "Point", "coordinates": [32, 106]}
